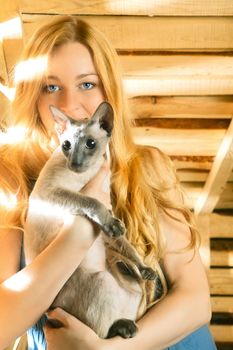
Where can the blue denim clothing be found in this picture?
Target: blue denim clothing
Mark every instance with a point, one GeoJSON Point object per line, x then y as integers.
{"type": "Point", "coordinates": [201, 339]}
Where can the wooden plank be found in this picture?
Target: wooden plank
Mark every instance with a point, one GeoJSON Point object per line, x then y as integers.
{"type": "Point", "coordinates": [218, 176]}
{"type": "Point", "coordinates": [222, 333]}
{"type": "Point", "coordinates": [138, 33]}
{"type": "Point", "coordinates": [10, 37]}
{"type": "Point", "coordinates": [221, 226]}
{"type": "Point", "coordinates": [192, 162]}
{"type": "Point", "coordinates": [176, 86]}
{"type": "Point", "coordinates": [182, 107]}
{"type": "Point", "coordinates": [9, 9]}
{"type": "Point", "coordinates": [222, 304]}
{"type": "Point", "coordinates": [221, 258]}
{"type": "Point", "coordinates": [220, 281]}
{"type": "Point", "coordinates": [4, 108]}
{"type": "Point", "coordinates": [127, 7]}
{"type": "Point", "coordinates": [3, 67]}
{"type": "Point", "coordinates": [192, 175]}
{"type": "Point", "coordinates": [178, 74]}
{"type": "Point", "coordinates": [171, 141]}
{"type": "Point", "coordinates": [177, 65]}
{"type": "Point", "coordinates": [12, 51]}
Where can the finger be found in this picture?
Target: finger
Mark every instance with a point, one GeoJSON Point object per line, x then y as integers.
{"type": "Point", "coordinates": [58, 318]}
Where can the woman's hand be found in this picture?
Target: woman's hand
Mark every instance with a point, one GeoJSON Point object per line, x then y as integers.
{"type": "Point", "coordinates": [95, 187]}
{"type": "Point", "coordinates": [73, 335]}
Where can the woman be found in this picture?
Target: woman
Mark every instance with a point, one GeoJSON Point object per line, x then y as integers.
{"type": "Point", "coordinates": [80, 70]}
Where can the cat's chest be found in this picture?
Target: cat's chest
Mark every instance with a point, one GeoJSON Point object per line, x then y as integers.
{"type": "Point", "coordinates": [72, 181]}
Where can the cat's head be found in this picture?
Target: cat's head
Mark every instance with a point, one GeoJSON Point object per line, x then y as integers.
{"type": "Point", "coordinates": [83, 143]}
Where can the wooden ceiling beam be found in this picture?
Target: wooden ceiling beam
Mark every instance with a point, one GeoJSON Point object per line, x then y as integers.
{"type": "Point", "coordinates": [127, 7]}
{"type": "Point", "coordinates": [218, 176]}
{"type": "Point", "coordinates": [178, 85]}
{"type": "Point", "coordinates": [138, 33]}
{"type": "Point", "coordinates": [182, 107]}
{"type": "Point", "coordinates": [200, 142]}
{"type": "Point", "coordinates": [187, 65]}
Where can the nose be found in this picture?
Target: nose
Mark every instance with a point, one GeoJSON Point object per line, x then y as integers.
{"type": "Point", "coordinates": [70, 104]}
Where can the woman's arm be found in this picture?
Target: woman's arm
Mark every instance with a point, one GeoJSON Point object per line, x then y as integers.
{"type": "Point", "coordinates": [187, 305]}
{"type": "Point", "coordinates": [183, 310]}
{"type": "Point", "coordinates": [28, 293]}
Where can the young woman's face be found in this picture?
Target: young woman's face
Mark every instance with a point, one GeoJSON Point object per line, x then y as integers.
{"type": "Point", "coordinates": [72, 84]}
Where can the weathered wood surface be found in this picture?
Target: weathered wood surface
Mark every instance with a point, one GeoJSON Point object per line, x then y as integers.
{"type": "Point", "coordinates": [172, 33]}
{"type": "Point", "coordinates": [127, 7]}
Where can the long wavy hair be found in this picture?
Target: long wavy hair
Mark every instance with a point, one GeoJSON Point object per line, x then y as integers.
{"type": "Point", "coordinates": [138, 188]}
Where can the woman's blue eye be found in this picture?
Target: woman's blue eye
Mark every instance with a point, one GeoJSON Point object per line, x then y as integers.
{"type": "Point", "coordinates": [51, 88]}
{"type": "Point", "coordinates": [87, 86]}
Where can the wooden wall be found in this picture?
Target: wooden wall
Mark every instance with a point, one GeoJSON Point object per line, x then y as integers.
{"type": "Point", "coordinates": [177, 62]}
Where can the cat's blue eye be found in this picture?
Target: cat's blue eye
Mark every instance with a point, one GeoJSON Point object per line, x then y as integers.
{"type": "Point", "coordinates": [87, 86]}
{"type": "Point", "coordinates": [51, 88]}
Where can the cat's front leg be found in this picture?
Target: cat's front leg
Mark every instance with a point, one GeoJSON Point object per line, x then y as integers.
{"type": "Point", "coordinates": [78, 204]}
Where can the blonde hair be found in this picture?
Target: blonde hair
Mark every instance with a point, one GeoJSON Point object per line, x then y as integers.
{"type": "Point", "coordinates": [137, 186]}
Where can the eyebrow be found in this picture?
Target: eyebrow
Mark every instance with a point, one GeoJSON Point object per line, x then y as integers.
{"type": "Point", "coordinates": [54, 77]}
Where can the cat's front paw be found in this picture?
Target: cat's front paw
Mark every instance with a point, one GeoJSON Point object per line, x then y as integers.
{"type": "Point", "coordinates": [114, 227]}
{"type": "Point", "coordinates": [148, 273]}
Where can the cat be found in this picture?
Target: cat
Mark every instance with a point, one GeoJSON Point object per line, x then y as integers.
{"type": "Point", "coordinates": [93, 294]}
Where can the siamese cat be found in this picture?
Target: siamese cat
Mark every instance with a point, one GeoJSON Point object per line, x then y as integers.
{"type": "Point", "coordinates": [93, 294]}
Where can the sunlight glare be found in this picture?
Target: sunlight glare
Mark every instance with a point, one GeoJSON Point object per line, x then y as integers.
{"type": "Point", "coordinates": [11, 29]}
{"type": "Point", "coordinates": [40, 207]}
{"type": "Point", "coordinates": [8, 92]}
{"type": "Point", "coordinates": [8, 201]}
{"type": "Point", "coordinates": [12, 135]}
{"type": "Point", "coordinates": [31, 68]}
{"type": "Point", "coordinates": [18, 282]}
{"type": "Point", "coordinates": [150, 7]}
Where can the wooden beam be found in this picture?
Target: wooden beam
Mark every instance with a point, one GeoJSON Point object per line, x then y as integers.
{"type": "Point", "coordinates": [138, 33]}
{"type": "Point", "coordinates": [127, 7]}
{"type": "Point", "coordinates": [218, 176]}
{"type": "Point", "coordinates": [176, 86]}
{"type": "Point", "coordinates": [221, 226]}
{"type": "Point", "coordinates": [178, 74]}
{"type": "Point", "coordinates": [10, 36]}
{"type": "Point", "coordinates": [221, 258]}
{"type": "Point", "coordinates": [182, 107]}
{"type": "Point", "coordinates": [189, 175]}
{"type": "Point", "coordinates": [9, 9]}
{"type": "Point", "coordinates": [192, 162]}
{"type": "Point", "coordinates": [222, 304]}
{"type": "Point", "coordinates": [220, 281]}
{"type": "Point", "coordinates": [168, 65]}
{"type": "Point", "coordinates": [3, 67]}
{"type": "Point", "coordinates": [171, 141]}
{"type": "Point", "coordinates": [4, 108]}
{"type": "Point", "coordinates": [222, 333]}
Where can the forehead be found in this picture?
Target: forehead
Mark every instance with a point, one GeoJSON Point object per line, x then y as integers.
{"type": "Point", "coordinates": [72, 58]}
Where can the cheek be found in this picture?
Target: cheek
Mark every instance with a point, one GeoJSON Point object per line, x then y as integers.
{"type": "Point", "coordinates": [95, 101]}
{"type": "Point", "coordinates": [45, 114]}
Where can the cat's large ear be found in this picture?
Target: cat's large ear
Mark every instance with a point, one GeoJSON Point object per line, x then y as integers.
{"type": "Point", "coordinates": [104, 116]}
{"type": "Point", "coordinates": [62, 121]}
